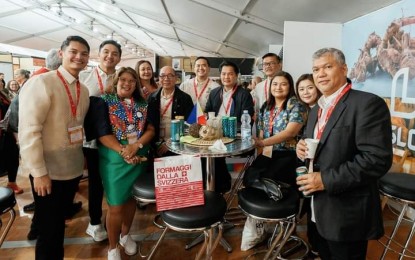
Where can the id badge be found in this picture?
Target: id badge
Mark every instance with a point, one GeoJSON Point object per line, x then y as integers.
{"type": "Point", "coordinates": [132, 137]}
{"type": "Point", "coordinates": [267, 151]}
{"type": "Point", "coordinates": [76, 134]}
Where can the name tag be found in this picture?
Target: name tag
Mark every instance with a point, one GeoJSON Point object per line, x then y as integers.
{"type": "Point", "coordinates": [76, 134]}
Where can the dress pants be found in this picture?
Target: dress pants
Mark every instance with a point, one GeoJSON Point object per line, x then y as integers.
{"type": "Point", "coordinates": [343, 250]}
{"type": "Point", "coordinates": [281, 167]}
{"type": "Point", "coordinates": [95, 188]}
{"type": "Point", "coordinates": [9, 154]}
{"type": "Point", "coordinates": [50, 218]}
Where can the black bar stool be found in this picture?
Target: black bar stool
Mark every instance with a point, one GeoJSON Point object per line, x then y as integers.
{"type": "Point", "coordinates": [7, 203]}
{"type": "Point", "coordinates": [233, 214]}
{"type": "Point", "coordinates": [399, 187]}
{"type": "Point", "coordinates": [197, 219]}
{"type": "Point", "coordinates": [256, 204]}
{"type": "Point", "coordinates": [144, 192]}
{"type": "Point", "coordinates": [143, 189]}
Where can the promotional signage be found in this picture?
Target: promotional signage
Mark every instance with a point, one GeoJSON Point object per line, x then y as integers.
{"type": "Point", "coordinates": [379, 49]}
{"type": "Point", "coordinates": [178, 182]}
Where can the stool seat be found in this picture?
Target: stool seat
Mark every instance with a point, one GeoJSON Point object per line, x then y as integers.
{"type": "Point", "coordinates": [144, 186]}
{"type": "Point", "coordinates": [197, 216]}
{"type": "Point", "coordinates": [256, 202]}
{"type": "Point", "coordinates": [398, 185]}
{"type": "Point", "coordinates": [7, 199]}
{"type": "Point", "coordinates": [7, 202]}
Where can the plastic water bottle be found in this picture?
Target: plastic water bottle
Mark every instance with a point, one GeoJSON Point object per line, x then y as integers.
{"type": "Point", "coordinates": [246, 126]}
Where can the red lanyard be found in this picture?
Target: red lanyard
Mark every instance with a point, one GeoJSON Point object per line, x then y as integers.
{"type": "Point", "coordinates": [78, 93]}
{"type": "Point", "coordinates": [266, 90]}
{"type": "Point", "coordinates": [166, 107]}
{"type": "Point", "coordinates": [230, 98]}
{"type": "Point", "coordinates": [100, 85]}
{"type": "Point", "coordinates": [203, 89]}
{"type": "Point", "coordinates": [330, 111]}
{"type": "Point", "coordinates": [271, 119]}
{"type": "Point", "coordinates": [129, 112]}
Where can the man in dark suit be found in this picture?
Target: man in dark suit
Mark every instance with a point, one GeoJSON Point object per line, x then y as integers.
{"type": "Point", "coordinates": [167, 103]}
{"type": "Point", "coordinates": [230, 99]}
{"type": "Point", "coordinates": [355, 150]}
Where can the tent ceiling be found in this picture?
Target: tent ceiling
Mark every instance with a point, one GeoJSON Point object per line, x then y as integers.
{"type": "Point", "coordinates": [222, 28]}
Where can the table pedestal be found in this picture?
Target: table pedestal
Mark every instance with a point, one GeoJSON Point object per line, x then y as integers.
{"type": "Point", "coordinates": [237, 147]}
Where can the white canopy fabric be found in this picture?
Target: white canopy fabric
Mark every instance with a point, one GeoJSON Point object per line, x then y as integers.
{"type": "Point", "coordinates": [213, 28]}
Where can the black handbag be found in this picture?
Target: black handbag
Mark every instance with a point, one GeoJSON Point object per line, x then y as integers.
{"type": "Point", "coordinates": [275, 190]}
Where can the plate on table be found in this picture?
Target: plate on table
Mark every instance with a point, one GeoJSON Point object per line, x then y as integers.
{"type": "Point", "coordinates": [201, 142]}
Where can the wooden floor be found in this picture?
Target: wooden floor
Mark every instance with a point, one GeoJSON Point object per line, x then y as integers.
{"type": "Point", "coordinates": [80, 246]}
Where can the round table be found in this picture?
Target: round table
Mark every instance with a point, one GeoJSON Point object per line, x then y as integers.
{"type": "Point", "coordinates": [236, 147]}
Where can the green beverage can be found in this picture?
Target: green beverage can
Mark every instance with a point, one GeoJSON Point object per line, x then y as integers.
{"type": "Point", "coordinates": [232, 127]}
{"type": "Point", "coordinates": [175, 130]}
{"type": "Point", "coordinates": [181, 118]}
{"type": "Point", "coordinates": [225, 126]}
{"type": "Point", "coordinates": [301, 171]}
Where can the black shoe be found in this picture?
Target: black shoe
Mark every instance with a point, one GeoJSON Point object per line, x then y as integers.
{"type": "Point", "coordinates": [32, 235]}
{"type": "Point", "coordinates": [29, 207]}
{"type": "Point", "coordinates": [75, 208]}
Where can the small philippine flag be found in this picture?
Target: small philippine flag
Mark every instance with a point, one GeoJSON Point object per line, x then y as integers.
{"type": "Point", "coordinates": [197, 115]}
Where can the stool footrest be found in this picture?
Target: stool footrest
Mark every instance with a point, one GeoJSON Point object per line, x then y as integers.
{"type": "Point", "coordinates": [409, 254]}
{"type": "Point", "coordinates": [8, 226]}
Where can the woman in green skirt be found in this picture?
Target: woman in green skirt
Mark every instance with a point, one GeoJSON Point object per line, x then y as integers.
{"type": "Point", "coordinates": [124, 129]}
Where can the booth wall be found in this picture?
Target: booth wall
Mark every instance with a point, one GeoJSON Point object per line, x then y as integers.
{"type": "Point", "coordinates": [302, 39]}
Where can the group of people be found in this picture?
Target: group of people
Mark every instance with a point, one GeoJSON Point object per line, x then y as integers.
{"type": "Point", "coordinates": [354, 150]}
{"type": "Point", "coordinates": [9, 151]}
{"type": "Point", "coordinates": [126, 119]}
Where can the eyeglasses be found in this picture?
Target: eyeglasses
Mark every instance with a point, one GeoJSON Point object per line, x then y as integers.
{"type": "Point", "coordinates": [269, 64]}
{"type": "Point", "coordinates": [131, 81]}
{"type": "Point", "coordinates": [168, 76]}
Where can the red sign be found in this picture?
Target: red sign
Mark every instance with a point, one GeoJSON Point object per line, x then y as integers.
{"type": "Point", "coordinates": [178, 182]}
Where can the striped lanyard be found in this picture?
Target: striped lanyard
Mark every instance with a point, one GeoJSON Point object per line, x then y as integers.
{"type": "Point", "coordinates": [320, 129]}
{"type": "Point", "coordinates": [71, 100]}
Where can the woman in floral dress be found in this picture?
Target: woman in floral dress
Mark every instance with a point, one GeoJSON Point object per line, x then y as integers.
{"type": "Point", "coordinates": [124, 129]}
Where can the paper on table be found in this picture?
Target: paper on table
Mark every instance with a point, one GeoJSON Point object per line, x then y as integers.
{"type": "Point", "coordinates": [218, 145]}
{"type": "Point", "coordinates": [188, 139]}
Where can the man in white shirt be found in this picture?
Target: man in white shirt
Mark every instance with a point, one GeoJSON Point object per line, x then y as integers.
{"type": "Point", "coordinates": [271, 64]}
{"type": "Point", "coordinates": [99, 80]}
{"type": "Point", "coordinates": [199, 88]}
{"type": "Point", "coordinates": [54, 105]}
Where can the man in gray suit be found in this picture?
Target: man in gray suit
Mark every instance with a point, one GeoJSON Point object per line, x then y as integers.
{"type": "Point", "coordinates": [354, 151]}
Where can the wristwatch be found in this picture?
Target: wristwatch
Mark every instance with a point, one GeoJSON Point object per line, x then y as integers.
{"type": "Point", "coordinates": [140, 145]}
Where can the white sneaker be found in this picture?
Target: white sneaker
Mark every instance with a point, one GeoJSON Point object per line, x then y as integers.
{"type": "Point", "coordinates": [114, 254]}
{"type": "Point", "coordinates": [130, 246]}
{"type": "Point", "coordinates": [97, 232]}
